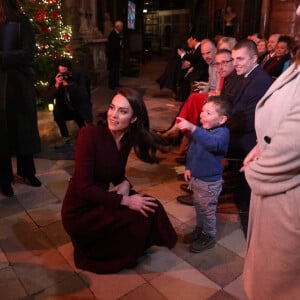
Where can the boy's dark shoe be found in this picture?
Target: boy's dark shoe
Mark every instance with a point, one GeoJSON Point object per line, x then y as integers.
{"type": "Point", "coordinates": [185, 187]}
{"type": "Point", "coordinates": [192, 236]}
{"type": "Point", "coordinates": [204, 242]}
{"type": "Point", "coordinates": [186, 199]}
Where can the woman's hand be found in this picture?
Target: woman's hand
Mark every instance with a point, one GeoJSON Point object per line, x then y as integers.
{"type": "Point", "coordinates": [183, 124]}
{"type": "Point", "coordinates": [140, 203]}
{"type": "Point", "coordinates": [252, 155]}
{"type": "Point", "coordinates": [122, 189]}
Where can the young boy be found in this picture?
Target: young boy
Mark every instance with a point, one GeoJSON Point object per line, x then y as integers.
{"type": "Point", "coordinates": [203, 170]}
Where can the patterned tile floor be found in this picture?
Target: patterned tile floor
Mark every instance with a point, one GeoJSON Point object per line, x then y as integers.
{"type": "Point", "coordinates": [36, 254]}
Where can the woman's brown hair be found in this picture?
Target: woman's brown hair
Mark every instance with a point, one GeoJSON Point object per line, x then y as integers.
{"type": "Point", "coordinates": [144, 142]}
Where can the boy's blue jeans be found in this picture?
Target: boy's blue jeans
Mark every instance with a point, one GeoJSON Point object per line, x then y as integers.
{"type": "Point", "coordinates": [205, 197]}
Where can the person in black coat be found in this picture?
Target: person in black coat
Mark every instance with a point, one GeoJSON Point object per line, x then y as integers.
{"type": "Point", "coordinates": [185, 67]}
{"type": "Point", "coordinates": [196, 68]}
{"type": "Point", "coordinates": [113, 52]}
{"type": "Point", "coordinates": [18, 116]}
{"type": "Point", "coordinates": [255, 82]}
{"type": "Point", "coordinates": [71, 91]}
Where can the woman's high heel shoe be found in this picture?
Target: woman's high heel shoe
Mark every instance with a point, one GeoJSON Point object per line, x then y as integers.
{"type": "Point", "coordinates": [32, 180]}
{"type": "Point", "coordinates": [7, 189]}
{"type": "Point", "coordinates": [169, 138]}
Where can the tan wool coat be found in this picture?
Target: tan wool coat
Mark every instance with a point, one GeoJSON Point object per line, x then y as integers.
{"type": "Point", "coordinates": [272, 265]}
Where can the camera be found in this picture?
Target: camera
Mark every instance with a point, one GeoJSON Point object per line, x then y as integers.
{"type": "Point", "coordinates": [66, 76]}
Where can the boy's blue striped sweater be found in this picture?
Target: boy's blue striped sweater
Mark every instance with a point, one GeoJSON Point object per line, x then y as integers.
{"type": "Point", "coordinates": [206, 150]}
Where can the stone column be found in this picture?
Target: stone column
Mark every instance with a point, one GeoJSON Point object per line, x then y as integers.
{"type": "Point", "coordinates": [86, 38]}
{"type": "Point", "coordinates": [71, 15]}
{"type": "Point", "coordinates": [265, 17]}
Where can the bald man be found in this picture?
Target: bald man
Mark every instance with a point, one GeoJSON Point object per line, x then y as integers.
{"type": "Point", "coordinates": [271, 46]}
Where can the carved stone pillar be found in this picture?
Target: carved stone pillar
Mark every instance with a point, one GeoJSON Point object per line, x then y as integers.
{"type": "Point", "coordinates": [87, 39]}
{"type": "Point", "coordinates": [265, 17]}
{"type": "Point", "coordinates": [71, 15]}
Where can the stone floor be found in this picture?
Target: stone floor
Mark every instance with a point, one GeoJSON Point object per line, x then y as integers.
{"type": "Point", "coordinates": [36, 254]}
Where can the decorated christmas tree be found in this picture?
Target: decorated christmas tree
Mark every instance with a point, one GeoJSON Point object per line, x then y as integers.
{"type": "Point", "coordinates": [52, 37]}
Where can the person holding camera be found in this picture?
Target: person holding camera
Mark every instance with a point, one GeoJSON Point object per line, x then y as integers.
{"type": "Point", "coordinates": [71, 92]}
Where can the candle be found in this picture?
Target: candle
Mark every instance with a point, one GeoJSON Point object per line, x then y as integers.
{"type": "Point", "coordinates": [50, 106]}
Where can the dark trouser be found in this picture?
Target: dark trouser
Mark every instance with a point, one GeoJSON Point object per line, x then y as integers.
{"type": "Point", "coordinates": [243, 192]}
{"type": "Point", "coordinates": [171, 76]}
{"type": "Point", "coordinates": [185, 89]}
{"type": "Point", "coordinates": [60, 117]}
{"type": "Point", "coordinates": [114, 74]}
{"type": "Point", "coordinates": [25, 168]}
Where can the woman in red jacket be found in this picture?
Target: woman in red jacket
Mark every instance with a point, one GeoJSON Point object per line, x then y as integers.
{"type": "Point", "coordinates": [111, 225]}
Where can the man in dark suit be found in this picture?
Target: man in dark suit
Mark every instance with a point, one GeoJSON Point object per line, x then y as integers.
{"type": "Point", "coordinates": [184, 67]}
{"type": "Point", "coordinates": [255, 83]}
{"type": "Point", "coordinates": [113, 52]}
{"type": "Point", "coordinates": [271, 45]}
{"type": "Point", "coordinates": [194, 67]}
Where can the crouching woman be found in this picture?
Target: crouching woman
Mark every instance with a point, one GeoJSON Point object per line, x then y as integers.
{"type": "Point", "coordinates": [110, 225]}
